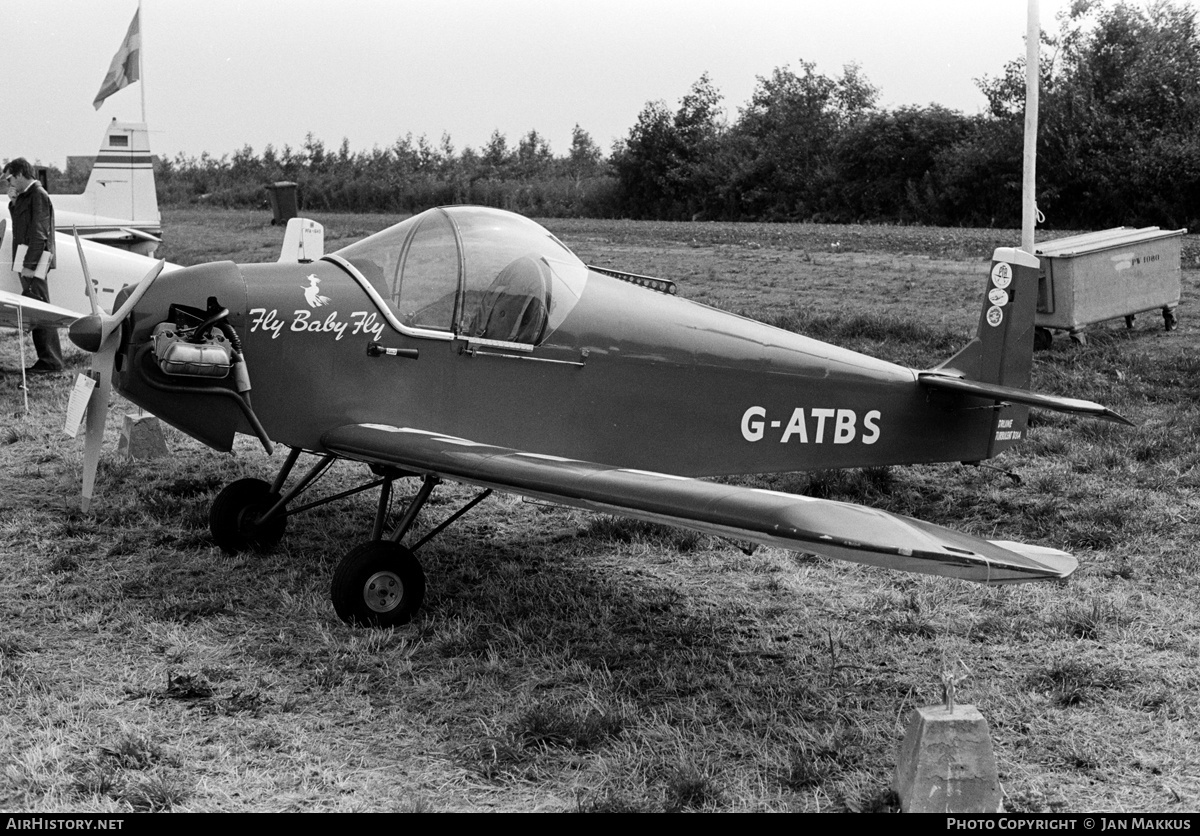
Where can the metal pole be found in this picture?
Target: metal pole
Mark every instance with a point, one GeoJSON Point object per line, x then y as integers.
{"type": "Point", "coordinates": [21, 340]}
{"type": "Point", "coordinates": [141, 54]}
{"type": "Point", "coordinates": [1029, 178]}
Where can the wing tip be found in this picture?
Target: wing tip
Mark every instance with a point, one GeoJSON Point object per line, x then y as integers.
{"type": "Point", "coordinates": [1058, 565]}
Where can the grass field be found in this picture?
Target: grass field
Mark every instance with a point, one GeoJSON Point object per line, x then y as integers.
{"type": "Point", "coordinates": [566, 661]}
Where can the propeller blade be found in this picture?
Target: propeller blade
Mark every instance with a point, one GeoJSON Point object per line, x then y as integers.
{"type": "Point", "coordinates": [101, 334]}
{"type": "Point", "coordinates": [91, 332]}
{"type": "Point", "coordinates": [139, 291]}
{"type": "Point", "coordinates": [97, 416]}
{"type": "Point", "coordinates": [87, 277]}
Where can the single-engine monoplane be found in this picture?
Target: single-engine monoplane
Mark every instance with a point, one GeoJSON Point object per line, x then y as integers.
{"type": "Point", "coordinates": [469, 344]}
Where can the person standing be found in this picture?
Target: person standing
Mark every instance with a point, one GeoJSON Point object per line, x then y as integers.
{"type": "Point", "coordinates": [33, 227]}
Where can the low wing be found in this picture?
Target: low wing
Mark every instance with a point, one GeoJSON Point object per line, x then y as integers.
{"type": "Point", "coordinates": [832, 529]}
{"type": "Point", "coordinates": [33, 312]}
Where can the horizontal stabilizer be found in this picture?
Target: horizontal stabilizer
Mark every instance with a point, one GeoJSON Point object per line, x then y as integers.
{"type": "Point", "coordinates": [137, 233]}
{"type": "Point", "coordinates": [1010, 394]}
{"type": "Point", "coordinates": [832, 529]}
{"type": "Point", "coordinates": [115, 233]}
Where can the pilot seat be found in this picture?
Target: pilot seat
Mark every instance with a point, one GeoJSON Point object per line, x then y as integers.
{"type": "Point", "coordinates": [514, 307]}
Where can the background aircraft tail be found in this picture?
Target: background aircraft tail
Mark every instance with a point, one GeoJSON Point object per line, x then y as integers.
{"type": "Point", "coordinates": [121, 184]}
{"type": "Point", "coordinates": [304, 240]}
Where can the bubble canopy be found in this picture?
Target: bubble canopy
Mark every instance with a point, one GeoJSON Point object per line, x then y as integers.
{"type": "Point", "coordinates": [473, 272]}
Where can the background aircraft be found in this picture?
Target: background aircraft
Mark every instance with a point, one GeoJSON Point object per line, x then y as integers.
{"type": "Point", "coordinates": [469, 344]}
{"type": "Point", "coordinates": [111, 269]}
{"type": "Point", "coordinates": [114, 268]}
{"type": "Point", "coordinates": [119, 206]}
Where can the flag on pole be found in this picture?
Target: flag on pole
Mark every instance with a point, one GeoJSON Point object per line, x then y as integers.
{"type": "Point", "coordinates": [126, 64]}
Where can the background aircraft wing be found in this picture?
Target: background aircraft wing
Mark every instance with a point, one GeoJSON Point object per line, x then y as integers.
{"type": "Point", "coordinates": [831, 529]}
{"type": "Point", "coordinates": [33, 312]}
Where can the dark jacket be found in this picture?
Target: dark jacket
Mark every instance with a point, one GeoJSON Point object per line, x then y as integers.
{"type": "Point", "coordinates": [33, 224]}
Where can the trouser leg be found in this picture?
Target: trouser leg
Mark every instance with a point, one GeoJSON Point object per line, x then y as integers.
{"type": "Point", "coordinates": [45, 339]}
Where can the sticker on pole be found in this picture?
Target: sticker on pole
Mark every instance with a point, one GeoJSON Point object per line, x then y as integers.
{"type": "Point", "coordinates": [998, 297]}
{"type": "Point", "coordinates": [994, 316]}
{"type": "Point", "coordinates": [1002, 275]}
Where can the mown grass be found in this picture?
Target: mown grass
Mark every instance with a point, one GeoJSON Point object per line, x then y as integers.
{"type": "Point", "coordinates": [574, 662]}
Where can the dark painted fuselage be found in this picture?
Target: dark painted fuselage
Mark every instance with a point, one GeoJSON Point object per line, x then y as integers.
{"type": "Point", "coordinates": [631, 377]}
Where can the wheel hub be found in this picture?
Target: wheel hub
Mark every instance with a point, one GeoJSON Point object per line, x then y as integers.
{"type": "Point", "coordinates": [382, 591]}
{"type": "Point", "coordinates": [248, 518]}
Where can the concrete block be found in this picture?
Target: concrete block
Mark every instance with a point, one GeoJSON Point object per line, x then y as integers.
{"type": "Point", "coordinates": [142, 437]}
{"type": "Point", "coordinates": [946, 764]}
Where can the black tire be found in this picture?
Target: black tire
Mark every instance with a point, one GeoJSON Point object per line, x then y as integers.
{"type": "Point", "coordinates": [1042, 339]}
{"type": "Point", "coordinates": [378, 584]}
{"type": "Point", "coordinates": [232, 515]}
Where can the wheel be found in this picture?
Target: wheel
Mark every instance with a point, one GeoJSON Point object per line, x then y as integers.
{"type": "Point", "coordinates": [1042, 339]}
{"type": "Point", "coordinates": [1129, 320]}
{"type": "Point", "coordinates": [378, 584]}
{"type": "Point", "coordinates": [1170, 320]}
{"type": "Point", "coordinates": [232, 515]}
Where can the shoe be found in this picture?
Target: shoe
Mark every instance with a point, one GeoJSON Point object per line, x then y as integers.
{"type": "Point", "coordinates": [42, 368]}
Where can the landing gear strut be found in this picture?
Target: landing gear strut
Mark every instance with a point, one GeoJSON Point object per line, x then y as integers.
{"type": "Point", "coordinates": [379, 583]}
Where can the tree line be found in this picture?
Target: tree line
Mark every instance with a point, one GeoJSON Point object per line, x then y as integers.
{"type": "Point", "coordinates": [1119, 113]}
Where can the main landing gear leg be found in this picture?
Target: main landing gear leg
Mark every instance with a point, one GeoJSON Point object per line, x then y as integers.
{"type": "Point", "coordinates": [377, 584]}
{"type": "Point", "coordinates": [380, 583]}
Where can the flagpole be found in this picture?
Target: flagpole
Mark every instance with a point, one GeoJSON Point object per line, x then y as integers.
{"type": "Point", "coordinates": [141, 58]}
{"type": "Point", "coordinates": [1029, 171]}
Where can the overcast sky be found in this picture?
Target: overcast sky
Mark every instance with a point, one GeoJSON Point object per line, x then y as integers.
{"type": "Point", "coordinates": [221, 74]}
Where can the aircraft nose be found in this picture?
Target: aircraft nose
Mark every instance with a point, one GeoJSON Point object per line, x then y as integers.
{"type": "Point", "coordinates": [87, 332]}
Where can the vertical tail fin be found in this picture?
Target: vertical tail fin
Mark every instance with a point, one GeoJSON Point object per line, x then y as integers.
{"type": "Point", "coordinates": [996, 365]}
{"type": "Point", "coordinates": [1001, 352]}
